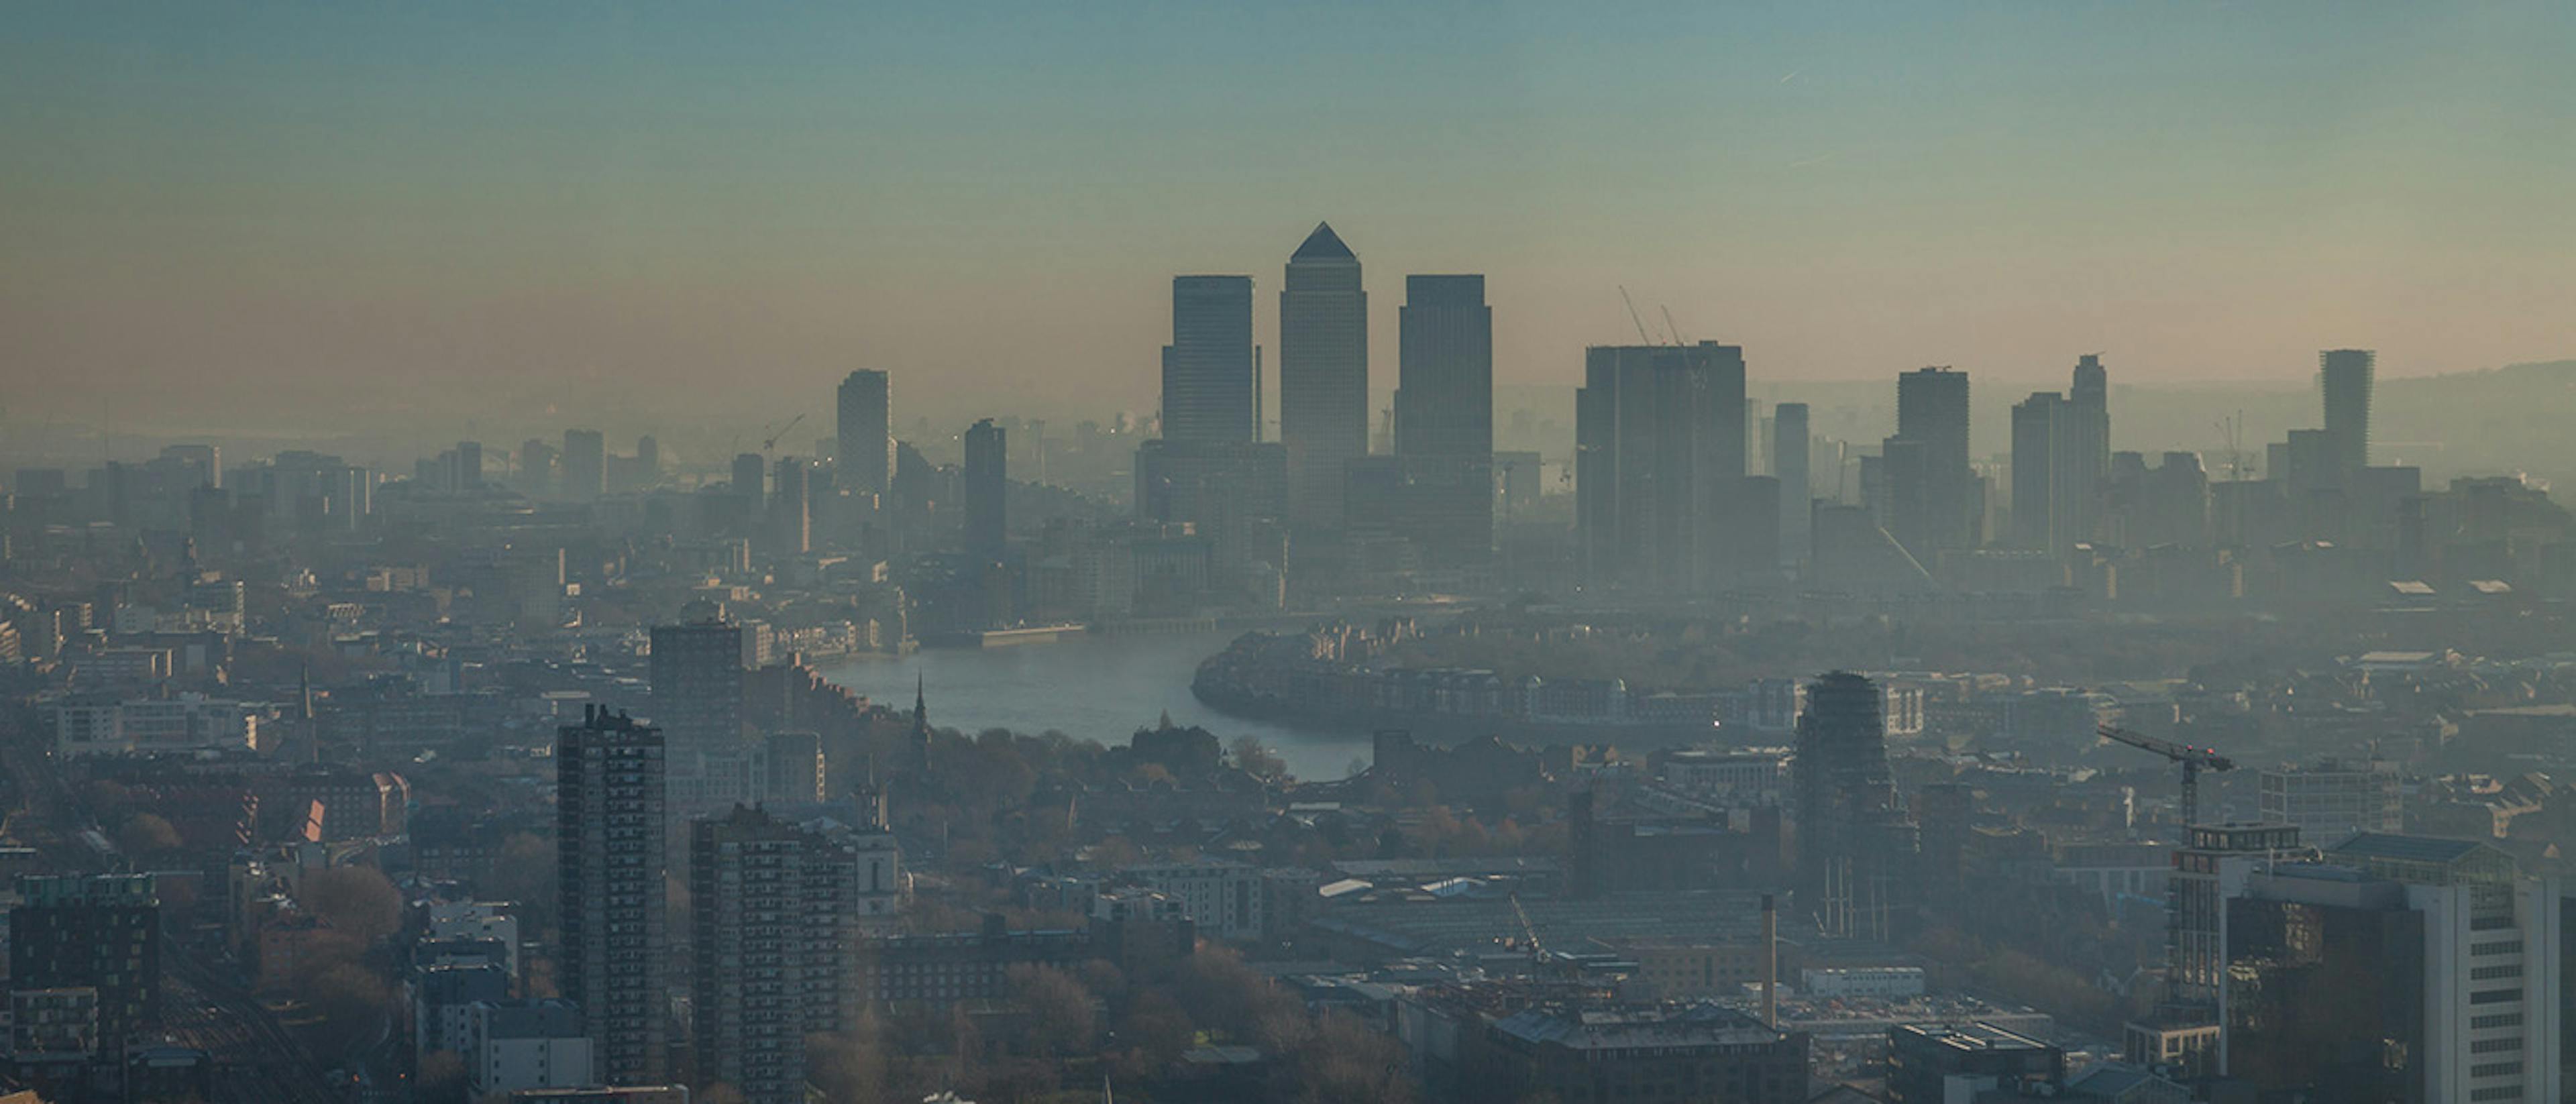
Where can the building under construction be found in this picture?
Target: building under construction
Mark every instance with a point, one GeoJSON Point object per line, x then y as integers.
{"type": "Point", "coordinates": [1855, 845]}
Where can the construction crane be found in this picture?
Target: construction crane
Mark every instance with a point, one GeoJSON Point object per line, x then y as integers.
{"type": "Point", "coordinates": [2193, 759]}
{"type": "Point", "coordinates": [1633, 316]}
{"type": "Point", "coordinates": [1528, 931]}
{"type": "Point", "coordinates": [770, 443]}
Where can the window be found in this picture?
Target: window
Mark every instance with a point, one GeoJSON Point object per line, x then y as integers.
{"type": "Point", "coordinates": [2495, 1046]}
{"type": "Point", "coordinates": [2492, 973]}
{"type": "Point", "coordinates": [2495, 996]}
{"type": "Point", "coordinates": [2508, 1019]}
{"type": "Point", "coordinates": [2508, 946]}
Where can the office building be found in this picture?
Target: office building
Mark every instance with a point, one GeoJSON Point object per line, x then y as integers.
{"type": "Point", "coordinates": [1792, 444]}
{"type": "Point", "coordinates": [791, 508]}
{"type": "Point", "coordinates": [2084, 465]}
{"type": "Point", "coordinates": [988, 484]}
{"type": "Point", "coordinates": [1444, 413]}
{"type": "Point", "coordinates": [751, 482]}
{"type": "Point", "coordinates": [1931, 487]}
{"type": "Point", "coordinates": [1323, 376]}
{"type": "Point", "coordinates": [101, 934]}
{"type": "Point", "coordinates": [2334, 798]}
{"type": "Point", "coordinates": [2042, 444]}
{"type": "Point", "coordinates": [1934, 1064]}
{"type": "Point", "coordinates": [1208, 387]}
{"type": "Point", "coordinates": [2401, 968]}
{"type": "Point", "coordinates": [864, 440]}
{"type": "Point", "coordinates": [611, 840]}
{"type": "Point", "coordinates": [1659, 441]}
{"type": "Point", "coordinates": [584, 465]}
{"type": "Point", "coordinates": [2344, 380]}
{"type": "Point", "coordinates": [514, 1045]}
{"type": "Point", "coordinates": [2183, 1031]}
{"type": "Point", "coordinates": [1855, 848]}
{"type": "Point", "coordinates": [696, 676]}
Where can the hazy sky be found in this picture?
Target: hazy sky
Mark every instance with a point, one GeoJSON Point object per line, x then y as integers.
{"type": "Point", "coordinates": [204, 204]}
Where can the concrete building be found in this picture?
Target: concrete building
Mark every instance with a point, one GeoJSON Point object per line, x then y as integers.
{"type": "Point", "coordinates": [1882, 982]}
{"type": "Point", "coordinates": [1323, 376]}
{"type": "Point", "coordinates": [1208, 373]}
{"type": "Point", "coordinates": [2084, 464]}
{"type": "Point", "coordinates": [1940, 1063]}
{"type": "Point", "coordinates": [696, 676]}
{"type": "Point", "coordinates": [864, 442]}
{"type": "Point", "coordinates": [2042, 443]}
{"type": "Point", "coordinates": [515, 1045]}
{"type": "Point", "coordinates": [101, 934]}
{"type": "Point", "coordinates": [611, 841]}
{"type": "Point", "coordinates": [757, 886]}
{"type": "Point", "coordinates": [1855, 849]}
{"type": "Point", "coordinates": [1225, 899]}
{"type": "Point", "coordinates": [1792, 445]}
{"type": "Point", "coordinates": [1477, 1044]}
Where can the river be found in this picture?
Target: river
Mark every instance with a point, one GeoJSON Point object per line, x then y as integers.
{"type": "Point", "coordinates": [1100, 688]}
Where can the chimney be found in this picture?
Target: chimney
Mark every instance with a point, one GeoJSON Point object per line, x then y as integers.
{"type": "Point", "coordinates": [1770, 963]}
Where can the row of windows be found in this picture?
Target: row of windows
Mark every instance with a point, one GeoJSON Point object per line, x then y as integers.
{"type": "Point", "coordinates": [2494, 1046]}
{"type": "Point", "coordinates": [2495, 1069]}
{"type": "Point", "coordinates": [2500, 1092]}
{"type": "Point", "coordinates": [2491, 973]}
{"type": "Point", "coordinates": [2509, 946]}
{"type": "Point", "coordinates": [2508, 1019]}
{"type": "Point", "coordinates": [2495, 996]}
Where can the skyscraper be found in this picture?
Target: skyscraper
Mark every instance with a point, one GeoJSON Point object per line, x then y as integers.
{"type": "Point", "coordinates": [2040, 427]}
{"type": "Point", "coordinates": [988, 481]}
{"type": "Point", "coordinates": [753, 911]}
{"type": "Point", "coordinates": [585, 464]}
{"type": "Point", "coordinates": [611, 846]}
{"type": "Point", "coordinates": [1323, 375]}
{"type": "Point", "coordinates": [696, 675]}
{"type": "Point", "coordinates": [1659, 446]}
{"type": "Point", "coordinates": [865, 437]}
{"type": "Point", "coordinates": [1444, 412]}
{"type": "Point", "coordinates": [1791, 444]}
{"type": "Point", "coordinates": [1853, 842]}
{"type": "Point", "coordinates": [1932, 412]}
{"type": "Point", "coordinates": [751, 480]}
{"type": "Point", "coordinates": [101, 934]}
{"type": "Point", "coordinates": [2084, 465]}
{"type": "Point", "coordinates": [1207, 369]}
{"type": "Point", "coordinates": [2344, 378]}
{"type": "Point", "coordinates": [791, 508]}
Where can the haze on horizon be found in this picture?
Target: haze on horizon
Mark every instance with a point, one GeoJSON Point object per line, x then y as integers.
{"type": "Point", "coordinates": [234, 214]}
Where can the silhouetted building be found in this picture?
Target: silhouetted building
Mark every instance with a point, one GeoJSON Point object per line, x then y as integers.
{"type": "Point", "coordinates": [1208, 390]}
{"type": "Point", "coordinates": [584, 464]}
{"type": "Point", "coordinates": [1931, 489]}
{"type": "Point", "coordinates": [696, 675]}
{"type": "Point", "coordinates": [2043, 448]}
{"type": "Point", "coordinates": [751, 483]}
{"type": "Point", "coordinates": [2085, 462]}
{"type": "Point", "coordinates": [1855, 850]}
{"type": "Point", "coordinates": [1444, 413]}
{"type": "Point", "coordinates": [988, 485]}
{"type": "Point", "coordinates": [1659, 441]}
{"type": "Point", "coordinates": [791, 508]}
{"type": "Point", "coordinates": [865, 441]}
{"type": "Point", "coordinates": [1934, 1064]}
{"type": "Point", "coordinates": [2344, 379]}
{"type": "Point", "coordinates": [611, 844]}
{"type": "Point", "coordinates": [70, 933]}
{"type": "Point", "coordinates": [1477, 1044]}
{"type": "Point", "coordinates": [1323, 376]}
{"type": "Point", "coordinates": [1791, 447]}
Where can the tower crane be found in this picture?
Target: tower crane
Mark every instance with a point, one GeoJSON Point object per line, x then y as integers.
{"type": "Point", "coordinates": [1528, 931]}
{"type": "Point", "coordinates": [770, 443]}
{"type": "Point", "coordinates": [2193, 759]}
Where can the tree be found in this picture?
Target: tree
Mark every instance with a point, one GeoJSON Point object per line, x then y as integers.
{"type": "Point", "coordinates": [525, 873]}
{"type": "Point", "coordinates": [442, 1078]}
{"type": "Point", "coordinates": [354, 899]}
{"type": "Point", "coordinates": [1257, 760]}
{"type": "Point", "coordinates": [346, 1005]}
{"type": "Point", "coordinates": [144, 834]}
{"type": "Point", "coordinates": [1060, 1007]}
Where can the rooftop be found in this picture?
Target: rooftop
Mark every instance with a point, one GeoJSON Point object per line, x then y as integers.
{"type": "Point", "coordinates": [1323, 245]}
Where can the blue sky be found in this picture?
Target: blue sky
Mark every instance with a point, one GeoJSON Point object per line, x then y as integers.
{"type": "Point", "coordinates": [990, 197]}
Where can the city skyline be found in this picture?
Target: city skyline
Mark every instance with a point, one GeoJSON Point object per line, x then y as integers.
{"type": "Point", "coordinates": [1983, 190]}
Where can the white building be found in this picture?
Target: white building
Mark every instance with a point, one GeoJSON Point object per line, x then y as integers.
{"type": "Point", "coordinates": [1887, 982]}
{"type": "Point", "coordinates": [1758, 776]}
{"type": "Point", "coordinates": [2331, 799]}
{"type": "Point", "coordinates": [1225, 899]}
{"type": "Point", "coordinates": [525, 1044]}
{"type": "Point", "coordinates": [182, 722]}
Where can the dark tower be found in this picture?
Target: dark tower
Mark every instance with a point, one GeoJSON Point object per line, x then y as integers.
{"type": "Point", "coordinates": [920, 725]}
{"type": "Point", "coordinates": [1853, 841]}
